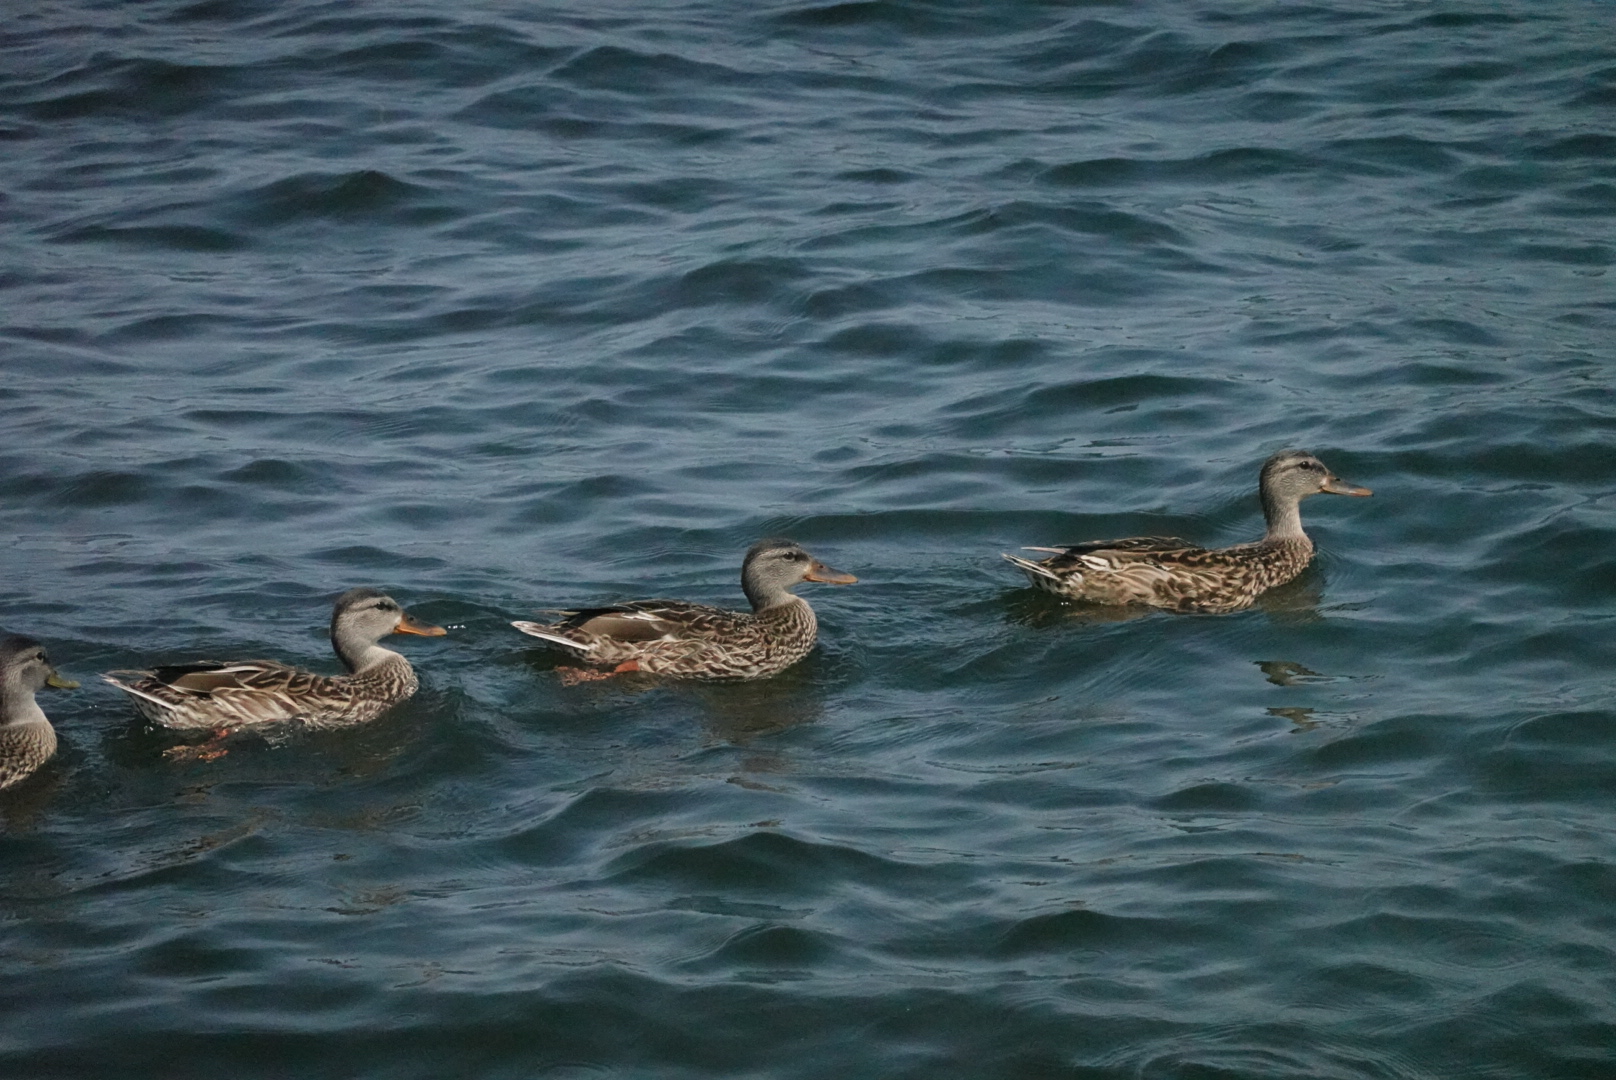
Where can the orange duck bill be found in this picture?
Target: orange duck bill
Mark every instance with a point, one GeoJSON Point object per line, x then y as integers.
{"type": "Point", "coordinates": [1337, 486]}
{"type": "Point", "coordinates": [409, 624]}
{"type": "Point", "coordinates": [825, 575]}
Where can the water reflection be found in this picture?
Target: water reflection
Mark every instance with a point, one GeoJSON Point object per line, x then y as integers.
{"type": "Point", "coordinates": [367, 749]}
{"type": "Point", "coordinates": [1301, 717]}
{"type": "Point", "coordinates": [1296, 601]}
{"type": "Point", "coordinates": [737, 712]}
{"type": "Point", "coordinates": [740, 713]}
{"type": "Point", "coordinates": [22, 805]}
{"type": "Point", "coordinates": [1310, 719]}
{"type": "Point", "coordinates": [1288, 673]}
{"type": "Point", "coordinates": [1038, 610]}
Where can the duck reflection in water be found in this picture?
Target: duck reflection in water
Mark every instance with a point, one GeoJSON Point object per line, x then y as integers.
{"type": "Point", "coordinates": [737, 712]}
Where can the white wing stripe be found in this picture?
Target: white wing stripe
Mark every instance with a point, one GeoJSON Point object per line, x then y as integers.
{"type": "Point", "coordinates": [536, 630]}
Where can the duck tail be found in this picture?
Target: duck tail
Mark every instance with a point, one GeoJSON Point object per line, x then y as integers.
{"type": "Point", "coordinates": [547, 633]}
{"type": "Point", "coordinates": [135, 691]}
{"type": "Point", "coordinates": [1032, 569]}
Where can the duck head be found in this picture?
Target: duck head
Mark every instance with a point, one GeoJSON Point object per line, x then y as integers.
{"type": "Point", "coordinates": [1291, 476]}
{"type": "Point", "coordinates": [775, 566]}
{"type": "Point", "coordinates": [362, 617]}
{"type": "Point", "coordinates": [25, 670]}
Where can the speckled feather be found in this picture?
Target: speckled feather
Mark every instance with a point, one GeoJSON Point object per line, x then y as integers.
{"type": "Point", "coordinates": [23, 749]}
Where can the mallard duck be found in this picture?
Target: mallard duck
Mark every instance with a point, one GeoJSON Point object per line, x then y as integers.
{"type": "Point", "coordinates": [694, 641]}
{"type": "Point", "coordinates": [245, 693]}
{"type": "Point", "coordinates": [27, 739]}
{"type": "Point", "coordinates": [1166, 572]}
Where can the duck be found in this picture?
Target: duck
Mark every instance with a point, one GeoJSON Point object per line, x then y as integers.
{"type": "Point", "coordinates": [694, 641]}
{"type": "Point", "coordinates": [1173, 574]}
{"type": "Point", "coordinates": [223, 695]}
{"type": "Point", "coordinates": [27, 739]}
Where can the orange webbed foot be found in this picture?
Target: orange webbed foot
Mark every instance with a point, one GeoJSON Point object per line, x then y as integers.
{"type": "Point", "coordinates": [211, 750]}
{"type": "Point", "coordinates": [571, 676]}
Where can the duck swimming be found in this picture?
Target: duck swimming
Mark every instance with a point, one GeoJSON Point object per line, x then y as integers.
{"type": "Point", "coordinates": [247, 693]}
{"type": "Point", "coordinates": [694, 641]}
{"type": "Point", "coordinates": [1173, 574]}
{"type": "Point", "coordinates": [27, 739]}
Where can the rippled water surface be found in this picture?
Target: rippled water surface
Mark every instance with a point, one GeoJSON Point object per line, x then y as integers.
{"type": "Point", "coordinates": [503, 306]}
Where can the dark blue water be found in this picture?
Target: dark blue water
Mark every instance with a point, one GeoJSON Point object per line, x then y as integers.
{"type": "Point", "coordinates": [504, 306]}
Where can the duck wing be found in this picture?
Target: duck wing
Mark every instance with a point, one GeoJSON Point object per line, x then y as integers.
{"type": "Point", "coordinates": [212, 693]}
{"type": "Point", "coordinates": [205, 677]}
{"type": "Point", "coordinates": [650, 620]}
{"type": "Point", "coordinates": [1110, 554]}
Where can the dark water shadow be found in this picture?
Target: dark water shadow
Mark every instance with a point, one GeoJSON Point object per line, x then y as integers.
{"type": "Point", "coordinates": [364, 750]}
{"type": "Point", "coordinates": [740, 713]}
{"type": "Point", "coordinates": [25, 803]}
{"type": "Point", "coordinates": [731, 711]}
{"type": "Point", "coordinates": [1036, 609]}
{"type": "Point", "coordinates": [1289, 673]}
{"type": "Point", "coordinates": [1296, 601]}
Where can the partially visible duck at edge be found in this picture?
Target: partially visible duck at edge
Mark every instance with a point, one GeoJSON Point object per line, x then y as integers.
{"type": "Point", "coordinates": [1173, 574]}
{"type": "Point", "coordinates": [694, 641]}
{"type": "Point", "coordinates": [222, 695]}
{"type": "Point", "coordinates": [27, 739]}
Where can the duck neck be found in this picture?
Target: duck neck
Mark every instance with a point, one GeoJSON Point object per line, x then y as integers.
{"type": "Point", "coordinates": [360, 654]}
{"type": "Point", "coordinates": [1284, 517]}
{"type": "Point", "coordinates": [764, 597]}
{"type": "Point", "coordinates": [17, 706]}
{"type": "Point", "coordinates": [791, 606]}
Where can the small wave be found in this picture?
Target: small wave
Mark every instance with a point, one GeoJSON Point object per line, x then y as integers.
{"type": "Point", "coordinates": [369, 557]}
{"type": "Point", "coordinates": [735, 281]}
{"type": "Point", "coordinates": [761, 862]}
{"type": "Point", "coordinates": [772, 951]}
{"type": "Point", "coordinates": [1210, 798]}
{"type": "Point", "coordinates": [1215, 167]}
{"type": "Point", "coordinates": [142, 88]}
{"type": "Point", "coordinates": [633, 73]}
{"type": "Point", "coordinates": [887, 16]}
{"type": "Point", "coordinates": [159, 237]}
{"type": "Point", "coordinates": [1084, 930]}
{"type": "Point", "coordinates": [366, 194]}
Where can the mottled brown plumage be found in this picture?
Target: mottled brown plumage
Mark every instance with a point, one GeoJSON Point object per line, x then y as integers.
{"type": "Point", "coordinates": [27, 739]}
{"type": "Point", "coordinates": [694, 641]}
{"type": "Point", "coordinates": [244, 693]}
{"type": "Point", "coordinates": [1169, 573]}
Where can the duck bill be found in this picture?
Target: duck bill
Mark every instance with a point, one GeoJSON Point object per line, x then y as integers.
{"type": "Point", "coordinates": [825, 575]}
{"type": "Point", "coordinates": [59, 681]}
{"type": "Point", "coordinates": [409, 624]}
{"type": "Point", "coordinates": [1337, 486]}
